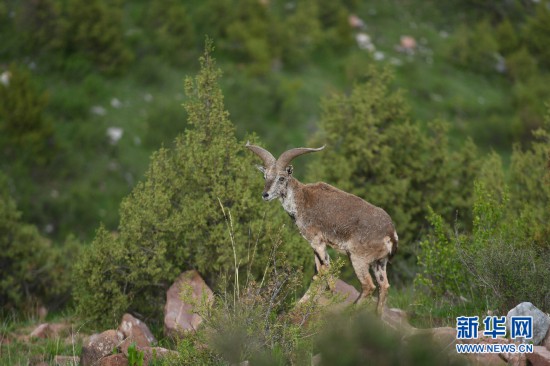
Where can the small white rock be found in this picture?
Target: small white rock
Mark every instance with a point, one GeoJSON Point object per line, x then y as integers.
{"type": "Point", "coordinates": [115, 103]}
{"type": "Point", "coordinates": [98, 110]}
{"type": "Point", "coordinates": [114, 134]}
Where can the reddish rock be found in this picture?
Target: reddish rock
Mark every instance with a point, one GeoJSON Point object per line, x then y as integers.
{"type": "Point", "coordinates": [516, 359]}
{"type": "Point", "coordinates": [408, 43]}
{"type": "Point", "coordinates": [355, 22]}
{"type": "Point", "coordinates": [99, 346]}
{"type": "Point", "coordinates": [179, 317]}
{"type": "Point", "coordinates": [348, 292]}
{"type": "Point", "coordinates": [66, 360]}
{"type": "Point", "coordinates": [343, 291]}
{"type": "Point", "coordinates": [398, 320]}
{"type": "Point", "coordinates": [490, 359]}
{"type": "Point", "coordinates": [136, 330]}
{"type": "Point", "coordinates": [539, 357]}
{"type": "Point", "coordinates": [114, 360]}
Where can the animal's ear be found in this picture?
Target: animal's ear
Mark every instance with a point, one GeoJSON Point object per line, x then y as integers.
{"type": "Point", "coordinates": [289, 169]}
{"type": "Point", "coordinates": [261, 168]}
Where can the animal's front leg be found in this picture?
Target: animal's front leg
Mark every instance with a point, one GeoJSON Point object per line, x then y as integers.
{"type": "Point", "coordinates": [322, 260]}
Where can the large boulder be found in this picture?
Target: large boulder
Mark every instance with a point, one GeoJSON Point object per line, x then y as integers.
{"type": "Point", "coordinates": [546, 341]}
{"type": "Point", "coordinates": [136, 331]}
{"type": "Point", "coordinates": [541, 321]}
{"type": "Point", "coordinates": [179, 316]}
{"type": "Point", "coordinates": [99, 346]}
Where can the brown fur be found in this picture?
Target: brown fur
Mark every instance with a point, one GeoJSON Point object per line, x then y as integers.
{"type": "Point", "coordinates": [328, 216]}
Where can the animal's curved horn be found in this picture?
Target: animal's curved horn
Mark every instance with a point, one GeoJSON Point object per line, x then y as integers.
{"type": "Point", "coordinates": [265, 155]}
{"type": "Point", "coordinates": [288, 155]}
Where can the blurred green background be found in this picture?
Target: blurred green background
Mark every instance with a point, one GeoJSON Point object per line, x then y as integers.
{"type": "Point", "coordinates": [96, 86]}
{"type": "Point", "coordinates": [416, 100]}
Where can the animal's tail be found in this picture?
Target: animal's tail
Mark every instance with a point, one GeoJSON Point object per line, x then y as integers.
{"type": "Point", "coordinates": [394, 240]}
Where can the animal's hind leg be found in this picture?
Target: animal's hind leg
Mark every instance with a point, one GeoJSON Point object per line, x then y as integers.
{"type": "Point", "coordinates": [379, 269]}
{"type": "Point", "coordinates": [361, 268]}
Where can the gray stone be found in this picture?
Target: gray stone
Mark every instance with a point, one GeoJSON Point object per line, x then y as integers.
{"type": "Point", "coordinates": [546, 341]}
{"type": "Point", "coordinates": [541, 321]}
{"type": "Point", "coordinates": [99, 346]}
{"type": "Point", "coordinates": [179, 316]}
{"type": "Point", "coordinates": [136, 331]}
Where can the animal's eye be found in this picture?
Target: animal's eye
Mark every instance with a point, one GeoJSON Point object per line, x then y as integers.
{"type": "Point", "coordinates": [281, 179]}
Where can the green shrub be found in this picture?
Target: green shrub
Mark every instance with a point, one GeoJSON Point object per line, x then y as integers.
{"type": "Point", "coordinates": [31, 271]}
{"type": "Point", "coordinates": [507, 37]}
{"type": "Point", "coordinates": [176, 218]}
{"type": "Point", "coordinates": [528, 97]}
{"type": "Point", "coordinates": [440, 268]}
{"type": "Point", "coordinates": [474, 47]}
{"type": "Point", "coordinates": [374, 152]}
{"type": "Point", "coordinates": [259, 320]}
{"type": "Point", "coordinates": [301, 33]}
{"type": "Point", "coordinates": [504, 259]}
{"type": "Point", "coordinates": [537, 34]}
{"type": "Point", "coordinates": [192, 352]}
{"type": "Point", "coordinates": [26, 134]}
{"type": "Point", "coordinates": [333, 16]}
{"type": "Point", "coordinates": [101, 278]}
{"type": "Point", "coordinates": [42, 27]}
{"type": "Point", "coordinates": [521, 65]}
{"type": "Point", "coordinates": [248, 37]}
{"type": "Point", "coordinates": [530, 185]}
{"type": "Point", "coordinates": [95, 32]}
{"type": "Point", "coordinates": [173, 34]}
